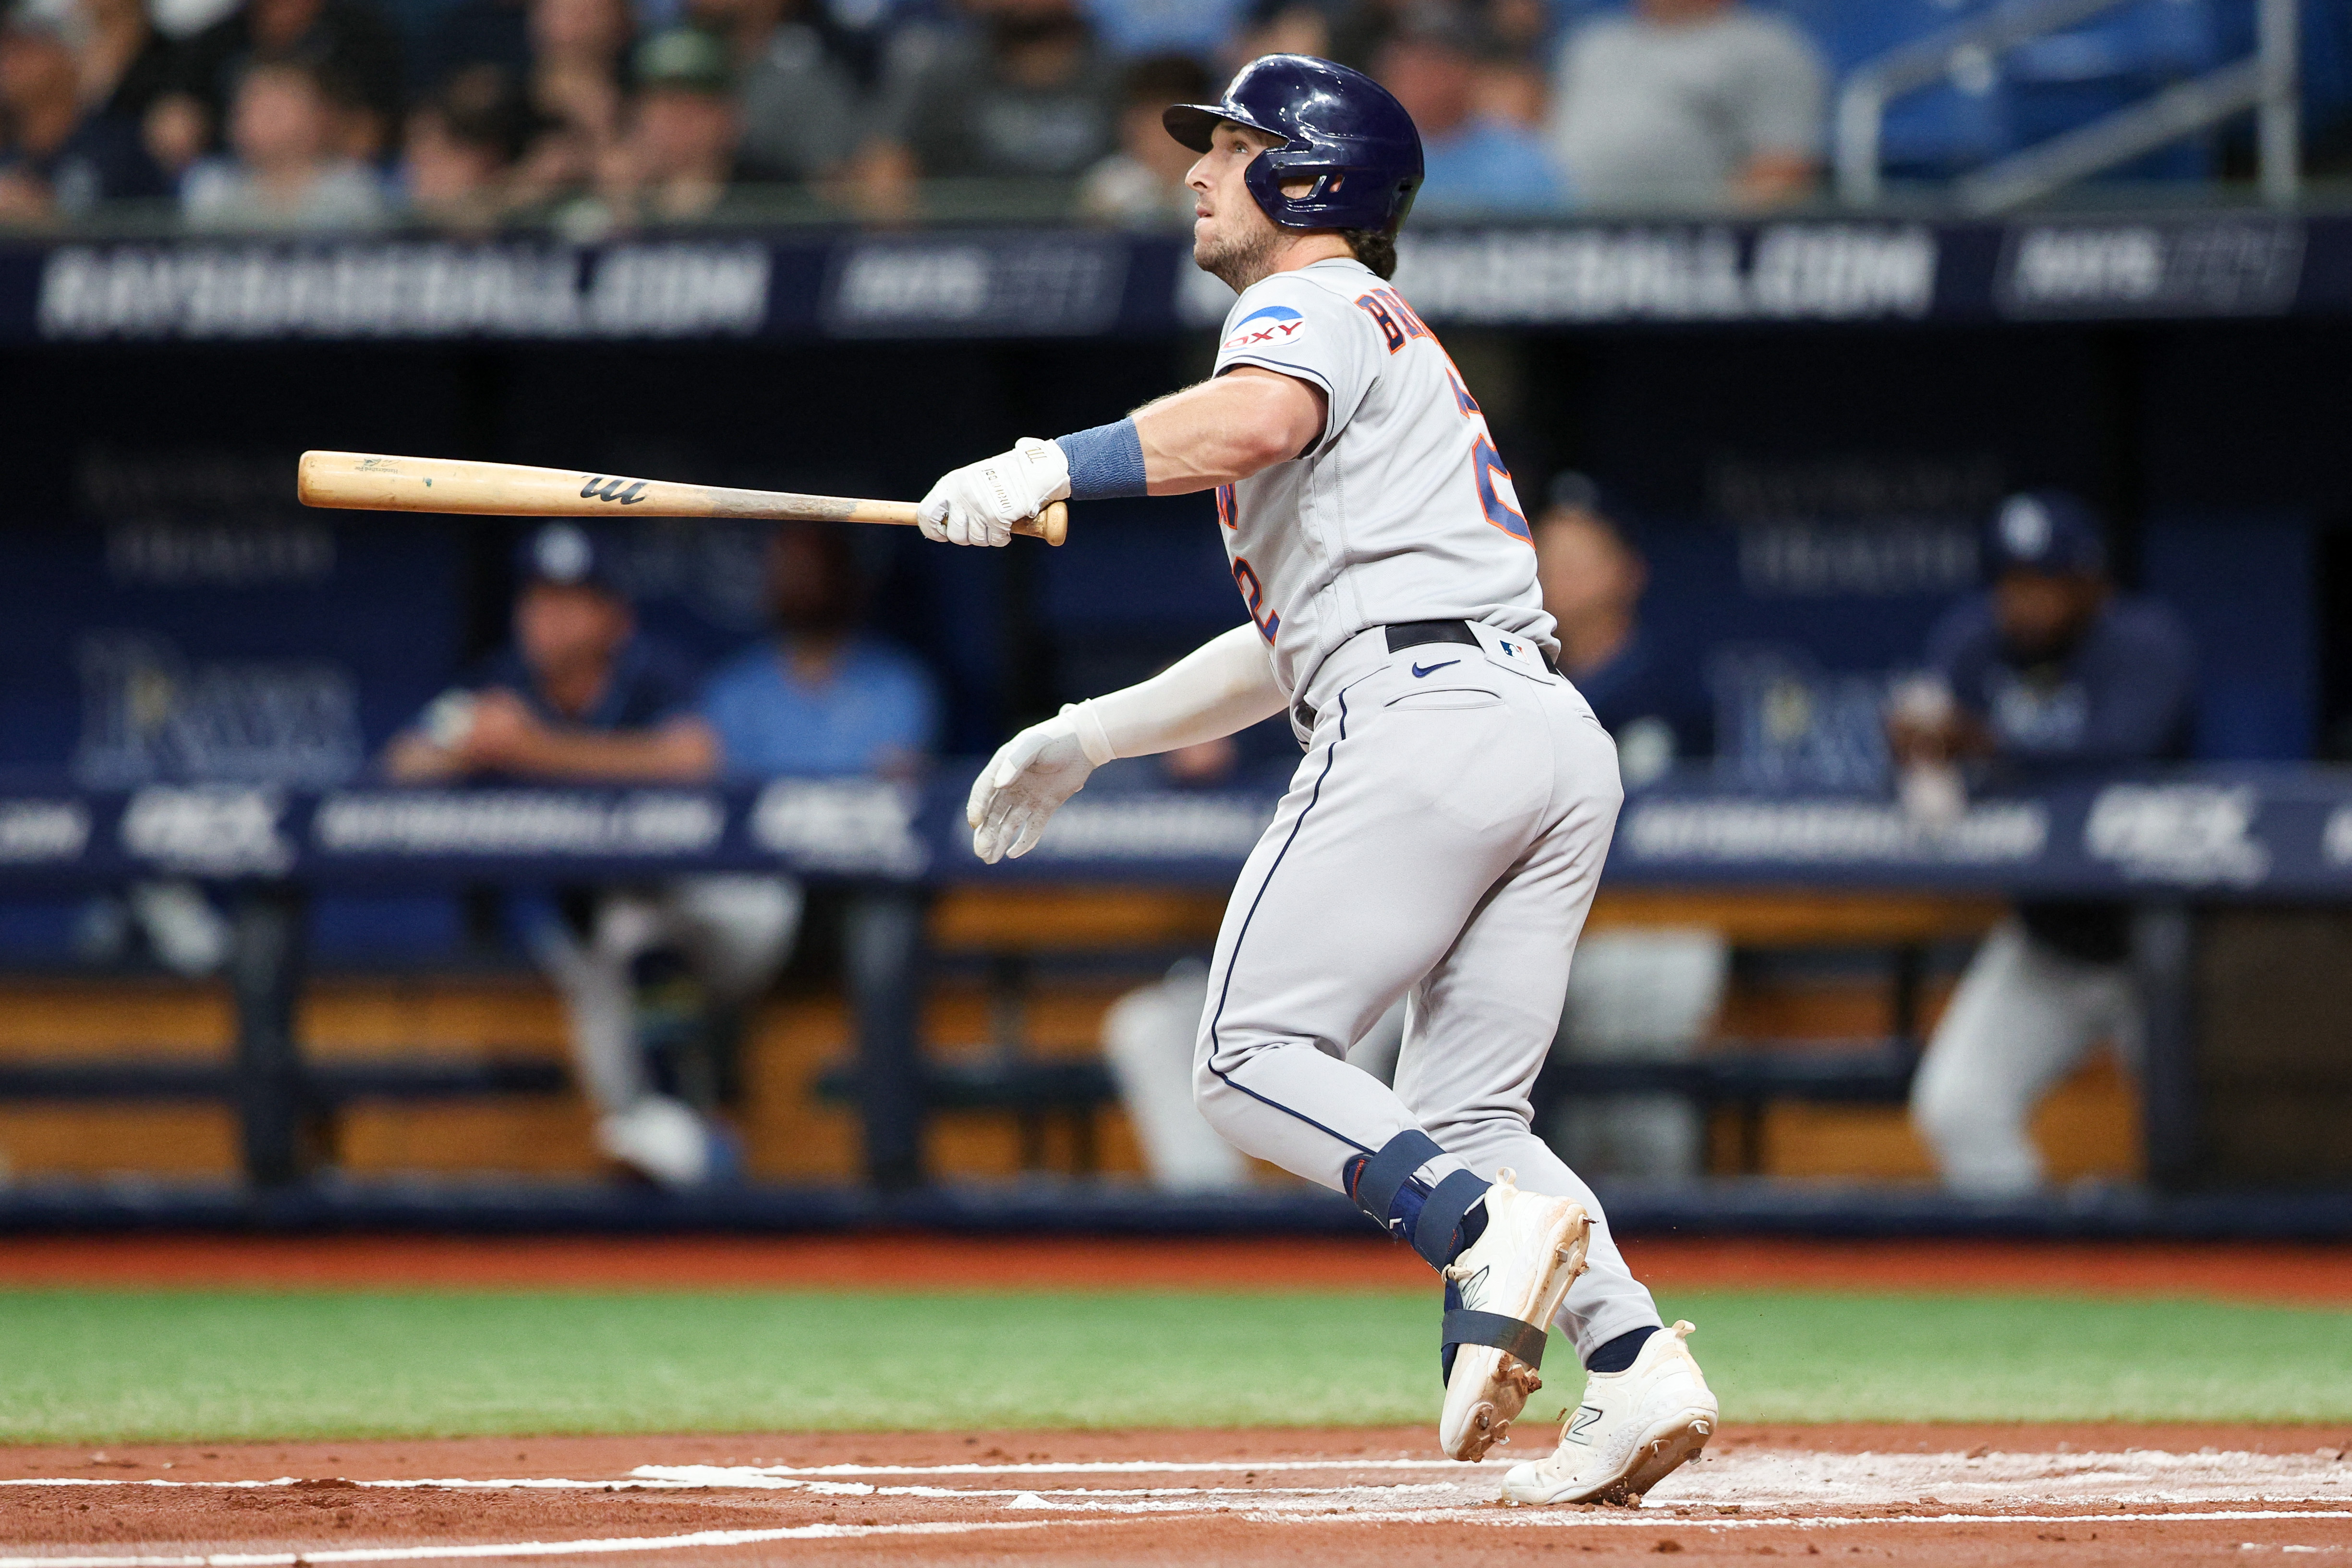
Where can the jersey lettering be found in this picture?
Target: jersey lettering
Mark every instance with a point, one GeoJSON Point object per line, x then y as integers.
{"type": "Point", "coordinates": [1370, 305]}
{"type": "Point", "coordinates": [1462, 398]}
{"type": "Point", "coordinates": [1254, 597]}
{"type": "Point", "coordinates": [1228, 510]}
{"type": "Point", "coordinates": [1414, 327]}
{"type": "Point", "coordinates": [1496, 495]}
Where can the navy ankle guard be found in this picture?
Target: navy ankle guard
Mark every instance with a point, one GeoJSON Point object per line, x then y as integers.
{"type": "Point", "coordinates": [1430, 1218]}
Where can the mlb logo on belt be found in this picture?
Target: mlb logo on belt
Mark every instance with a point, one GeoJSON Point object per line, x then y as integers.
{"type": "Point", "coordinates": [1275, 326]}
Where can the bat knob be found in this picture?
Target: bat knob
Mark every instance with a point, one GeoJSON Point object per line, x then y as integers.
{"type": "Point", "coordinates": [1052, 525]}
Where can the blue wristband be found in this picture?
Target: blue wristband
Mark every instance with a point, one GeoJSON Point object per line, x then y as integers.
{"type": "Point", "coordinates": [1106, 460]}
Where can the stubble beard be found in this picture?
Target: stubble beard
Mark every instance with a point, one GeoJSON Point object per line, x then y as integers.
{"type": "Point", "coordinates": [1238, 259]}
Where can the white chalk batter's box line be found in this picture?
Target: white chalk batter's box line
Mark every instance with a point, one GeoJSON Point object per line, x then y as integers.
{"type": "Point", "coordinates": [1517, 1518]}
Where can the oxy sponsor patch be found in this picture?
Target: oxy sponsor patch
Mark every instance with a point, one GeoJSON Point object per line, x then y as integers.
{"type": "Point", "coordinates": [1270, 326]}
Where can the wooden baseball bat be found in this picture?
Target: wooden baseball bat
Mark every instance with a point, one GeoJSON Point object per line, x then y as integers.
{"type": "Point", "coordinates": [372, 482]}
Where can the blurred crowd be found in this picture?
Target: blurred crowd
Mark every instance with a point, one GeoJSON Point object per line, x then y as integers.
{"type": "Point", "coordinates": [595, 115]}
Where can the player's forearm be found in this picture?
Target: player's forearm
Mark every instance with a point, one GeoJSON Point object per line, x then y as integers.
{"type": "Point", "coordinates": [678, 753]}
{"type": "Point", "coordinates": [414, 758]}
{"type": "Point", "coordinates": [1225, 685]}
{"type": "Point", "coordinates": [1225, 430]}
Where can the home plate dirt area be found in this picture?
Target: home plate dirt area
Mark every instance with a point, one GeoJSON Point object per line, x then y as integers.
{"type": "Point", "coordinates": [1936, 1494]}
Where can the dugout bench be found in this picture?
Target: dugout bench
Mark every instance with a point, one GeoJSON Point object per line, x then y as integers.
{"type": "Point", "coordinates": [2190, 847]}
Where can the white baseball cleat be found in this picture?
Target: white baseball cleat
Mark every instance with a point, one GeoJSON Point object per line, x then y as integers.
{"type": "Point", "coordinates": [1632, 1429]}
{"type": "Point", "coordinates": [1519, 1269]}
{"type": "Point", "coordinates": [661, 1140]}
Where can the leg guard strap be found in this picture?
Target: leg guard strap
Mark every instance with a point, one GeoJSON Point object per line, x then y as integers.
{"type": "Point", "coordinates": [1386, 1173]}
{"type": "Point", "coordinates": [1436, 1235]}
{"type": "Point", "coordinates": [1509, 1335]}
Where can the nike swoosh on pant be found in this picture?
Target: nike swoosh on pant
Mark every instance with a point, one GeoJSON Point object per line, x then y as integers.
{"type": "Point", "coordinates": [1418, 671]}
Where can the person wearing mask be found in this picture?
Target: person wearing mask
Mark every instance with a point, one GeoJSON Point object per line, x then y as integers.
{"type": "Point", "coordinates": [1690, 105]}
{"type": "Point", "coordinates": [286, 172]}
{"type": "Point", "coordinates": [71, 152]}
{"type": "Point", "coordinates": [2052, 673]}
{"type": "Point", "coordinates": [1475, 161]}
{"type": "Point", "coordinates": [580, 697]}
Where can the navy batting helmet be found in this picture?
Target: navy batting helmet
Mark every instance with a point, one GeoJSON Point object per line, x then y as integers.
{"type": "Point", "coordinates": [1338, 128]}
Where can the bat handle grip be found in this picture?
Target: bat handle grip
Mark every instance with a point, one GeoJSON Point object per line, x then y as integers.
{"type": "Point", "coordinates": [1052, 525]}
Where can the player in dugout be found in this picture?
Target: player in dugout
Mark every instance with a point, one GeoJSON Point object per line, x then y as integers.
{"type": "Point", "coordinates": [2052, 671]}
{"type": "Point", "coordinates": [580, 697]}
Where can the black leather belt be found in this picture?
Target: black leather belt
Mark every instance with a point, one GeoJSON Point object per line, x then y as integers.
{"type": "Point", "coordinates": [1401, 636]}
{"type": "Point", "coordinates": [1416, 634]}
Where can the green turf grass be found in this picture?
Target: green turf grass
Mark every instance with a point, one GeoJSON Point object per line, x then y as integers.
{"type": "Point", "coordinates": [89, 1366]}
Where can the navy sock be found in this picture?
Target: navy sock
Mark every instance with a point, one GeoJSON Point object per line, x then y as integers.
{"type": "Point", "coordinates": [1619, 1354]}
{"type": "Point", "coordinates": [1473, 1226]}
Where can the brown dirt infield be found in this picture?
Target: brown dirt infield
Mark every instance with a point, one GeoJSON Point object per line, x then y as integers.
{"type": "Point", "coordinates": [1948, 1496]}
{"type": "Point", "coordinates": [1942, 1495]}
{"type": "Point", "coordinates": [2248, 1271]}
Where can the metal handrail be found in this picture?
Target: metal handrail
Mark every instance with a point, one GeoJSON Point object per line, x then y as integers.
{"type": "Point", "coordinates": [2265, 82]}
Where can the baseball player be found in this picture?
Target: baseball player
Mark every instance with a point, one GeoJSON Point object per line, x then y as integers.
{"type": "Point", "coordinates": [1442, 838]}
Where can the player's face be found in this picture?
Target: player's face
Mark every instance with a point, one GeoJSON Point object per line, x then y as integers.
{"type": "Point", "coordinates": [1585, 573]}
{"type": "Point", "coordinates": [561, 626]}
{"type": "Point", "coordinates": [1230, 234]}
{"type": "Point", "coordinates": [2042, 612]}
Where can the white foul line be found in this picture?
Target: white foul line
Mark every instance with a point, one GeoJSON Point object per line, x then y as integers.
{"type": "Point", "coordinates": [536, 1548]}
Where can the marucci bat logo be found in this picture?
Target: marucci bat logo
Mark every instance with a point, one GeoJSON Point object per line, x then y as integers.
{"type": "Point", "coordinates": [611, 490]}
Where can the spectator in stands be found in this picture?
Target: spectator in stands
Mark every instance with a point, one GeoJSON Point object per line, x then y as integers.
{"type": "Point", "coordinates": [1142, 183]}
{"type": "Point", "coordinates": [1024, 93]}
{"type": "Point", "coordinates": [1648, 993]}
{"type": "Point", "coordinates": [350, 50]}
{"type": "Point", "coordinates": [578, 89]}
{"type": "Point", "coordinates": [1690, 104]}
{"type": "Point", "coordinates": [580, 697]}
{"type": "Point", "coordinates": [1475, 160]}
{"type": "Point", "coordinates": [799, 103]}
{"type": "Point", "coordinates": [460, 150]}
{"type": "Point", "coordinates": [1362, 28]}
{"type": "Point", "coordinates": [474, 37]}
{"type": "Point", "coordinates": [286, 172]}
{"type": "Point", "coordinates": [68, 152]}
{"type": "Point", "coordinates": [2051, 672]}
{"type": "Point", "coordinates": [1282, 27]}
{"type": "Point", "coordinates": [822, 698]}
{"type": "Point", "coordinates": [677, 158]}
{"type": "Point", "coordinates": [125, 65]}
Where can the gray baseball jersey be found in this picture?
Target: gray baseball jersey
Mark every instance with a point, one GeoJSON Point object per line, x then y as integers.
{"type": "Point", "coordinates": [1444, 834]}
{"type": "Point", "coordinates": [1402, 511]}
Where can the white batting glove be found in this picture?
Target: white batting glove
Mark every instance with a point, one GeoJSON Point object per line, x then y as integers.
{"type": "Point", "coordinates": [1027, 781]}
{"type": "Point", "coordinates": [980, 503]}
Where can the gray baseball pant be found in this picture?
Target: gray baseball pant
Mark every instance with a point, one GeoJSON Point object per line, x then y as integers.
{"type": "Point", "coordinates": [1441, 840]}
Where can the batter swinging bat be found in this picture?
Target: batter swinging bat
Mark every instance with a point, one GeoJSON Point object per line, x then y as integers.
{"type": "Point", "coordinates": [371, 482]}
